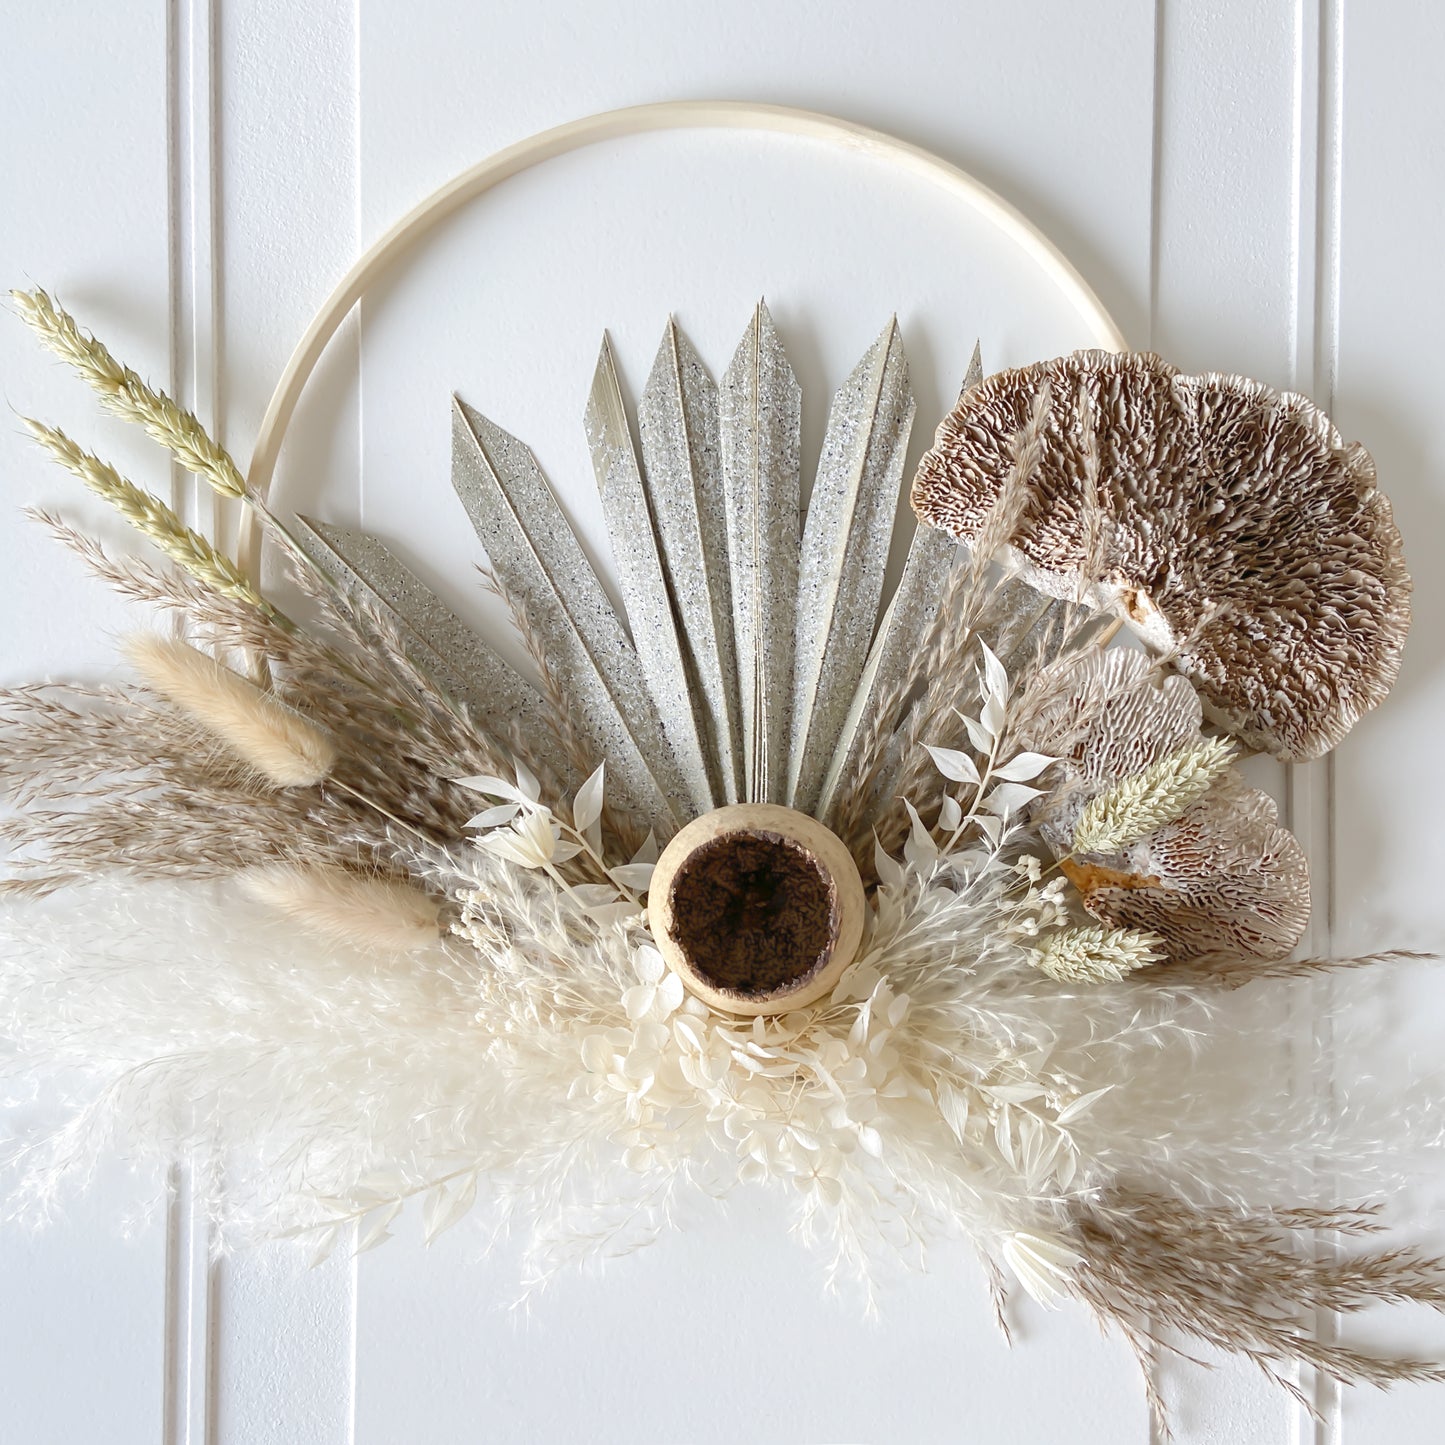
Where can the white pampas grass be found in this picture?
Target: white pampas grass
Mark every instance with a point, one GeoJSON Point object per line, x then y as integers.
{"type": "Point", "coordinates": [285, 748]}
{"type": "Point", "coordinates": [184, 1024]}
{"type": "Point", "coordinates": [346, 908]}
{"type": "Point", "coordinates": [1144, 802]}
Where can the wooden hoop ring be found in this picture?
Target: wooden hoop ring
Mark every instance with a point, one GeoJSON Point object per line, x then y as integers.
{"type": "Point", "coordinates": [610, 125]}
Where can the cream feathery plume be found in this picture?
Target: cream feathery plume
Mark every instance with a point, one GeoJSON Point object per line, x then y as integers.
{"type": "Point", "coordinates": [276, 740]}
{"type": "Point", "coordinates": [347, 908]}
{"type": "Point", "coordinates": [124, 393]}
{"type": "Point", "coordinates": [1144, 802]}
{"type": "Point", "coordinates": [1095, 955]}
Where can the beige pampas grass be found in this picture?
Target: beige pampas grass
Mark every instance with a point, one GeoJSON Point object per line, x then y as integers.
{"type": "Point", "coordinates": [284, 747]}
{"type": "Point", "coordinates": [1143, 803]}
{"type": "Point", "coordinates": [348, 908]}
{"type": "Point", "coordinates": [124, 393]}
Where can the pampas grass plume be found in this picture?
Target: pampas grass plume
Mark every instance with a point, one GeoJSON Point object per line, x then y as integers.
{"type": "Point", "coordinates": [347, 908]}
{"type": "Point", "coordinates": [275, 740]}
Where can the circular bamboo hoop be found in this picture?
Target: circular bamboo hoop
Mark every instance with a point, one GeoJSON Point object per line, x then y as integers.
{"type": "Point", "coordinates": [611, 125]}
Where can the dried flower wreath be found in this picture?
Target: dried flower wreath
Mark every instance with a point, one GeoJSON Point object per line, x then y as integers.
{"type": "Point", "coordinates": [896, 902]}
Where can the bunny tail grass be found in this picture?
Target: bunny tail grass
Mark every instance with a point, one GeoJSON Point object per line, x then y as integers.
{"type": "Point", "coordinates": [346, 908]}
{"type": "Point", "coordinates": [275, 740]}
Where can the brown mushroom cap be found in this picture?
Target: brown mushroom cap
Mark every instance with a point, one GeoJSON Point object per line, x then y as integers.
{"type": "Point", "coordinates": [1222, 880]}
{"type": "Point", "coordinates": [1225, 880]}
{"type": "Point", "coordinates": [1239, 531]}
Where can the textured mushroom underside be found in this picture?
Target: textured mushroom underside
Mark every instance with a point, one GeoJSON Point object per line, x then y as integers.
{"type": "Point", "coordinates": [1223, 879]}
{"type": "Point", "coordinates": [1236, 530]}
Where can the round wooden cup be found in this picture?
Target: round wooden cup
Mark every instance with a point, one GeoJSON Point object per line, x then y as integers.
{"type": "Point", "coordinates": [758, 909]}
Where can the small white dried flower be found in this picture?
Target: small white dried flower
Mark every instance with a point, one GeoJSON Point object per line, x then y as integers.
{"type": "Point", "coordinates": [1095, 955]}
{"type": "Point", "coordinates": [1029, 867]}
{"type": "Point", "coordinates": [1044, 1265]}
{"type": "Point", "coordinates": [534, 840]}
{"type": "Point", "coordinates": [1144, 802]}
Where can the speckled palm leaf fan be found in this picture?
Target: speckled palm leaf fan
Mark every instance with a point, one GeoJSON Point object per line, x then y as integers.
{"type": "Point", "coordinates": [748, 669]}
{"type": "Point", "coordinates": [767, 664]}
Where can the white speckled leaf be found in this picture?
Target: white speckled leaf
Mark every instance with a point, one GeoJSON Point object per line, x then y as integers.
{"type": "Point", "coordinates": [903, 631]}
{"type": "Point", "coordinates": [643, 584]}
{"type": "Point", "coordinates": [536, 553]}
{"type": "Point", "coordinates": [974, 374]}
{"type": "Point", "coordinates": [845, 549]}
{"type": "Point", "coordinates": [678, 427]}
{"type": "Point", "coordinates": [760, 410]}
{"type": "Point", "coordinates": [439, 641]}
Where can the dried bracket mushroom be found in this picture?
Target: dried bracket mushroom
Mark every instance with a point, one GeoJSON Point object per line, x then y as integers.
{"type": "Point", "coordinates": [1224, 879]}
{"type": "Point", "coordinates": [1236, 532]}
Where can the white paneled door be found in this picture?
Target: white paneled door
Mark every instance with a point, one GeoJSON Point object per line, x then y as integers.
{"type": "Point", "coordinates": [1249, 185]}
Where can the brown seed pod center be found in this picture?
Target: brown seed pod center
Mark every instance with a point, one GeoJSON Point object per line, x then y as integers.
{"type": "Point", "coordinates": [758, 908]}
{"type": "Point", "coordinates": [754, 912]}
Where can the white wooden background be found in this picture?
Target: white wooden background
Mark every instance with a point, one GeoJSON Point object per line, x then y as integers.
{"type": "Point", "coordinates": [1249, 184]}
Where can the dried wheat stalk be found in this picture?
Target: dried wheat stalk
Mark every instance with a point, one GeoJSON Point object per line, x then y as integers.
{"type": "Point", "coordinates": [153, 519]}
{"type": "Point", "coordinates": [123, 393]}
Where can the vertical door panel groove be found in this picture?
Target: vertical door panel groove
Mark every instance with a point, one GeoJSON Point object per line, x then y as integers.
{"type": "Point", "coordinates": [191, 1326]}
{"type": "Point", "coordinates": [1310, 796]}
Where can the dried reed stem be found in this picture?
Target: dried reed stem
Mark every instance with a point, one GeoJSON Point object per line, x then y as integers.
{"type": "Point", "coordinates": [1232, 973]}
